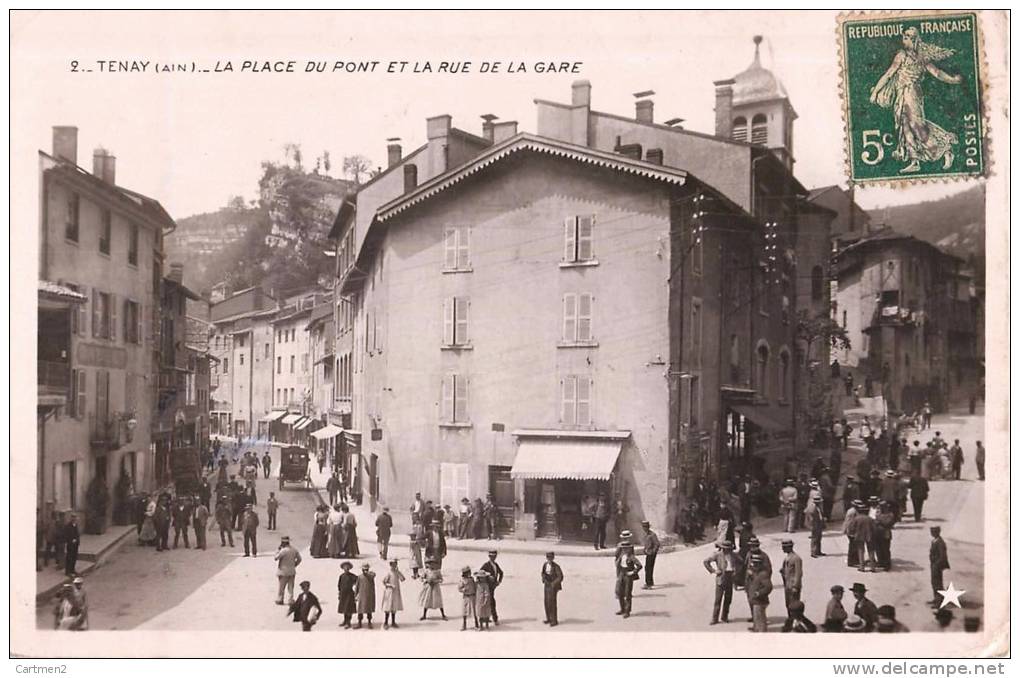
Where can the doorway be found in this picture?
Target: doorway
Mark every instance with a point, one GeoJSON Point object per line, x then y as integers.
{"type": "Point", "coordinates": [501, 487]}
{"type": "Point", "coordinates": [547, 523]}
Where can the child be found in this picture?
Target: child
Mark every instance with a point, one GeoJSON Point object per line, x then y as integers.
{"type": "Point", "coordinates": [415, 554]}
{"type": "Point", "coordinates": [431, 597]}
{"type": "Point", "coordinates": [468, 590]}
{"type": "Point", "coordinates": [483, 600]}
{"type": "Point", "coordinates": [366, 594]}
{"type": "Point", "coordinates": [392, 602]}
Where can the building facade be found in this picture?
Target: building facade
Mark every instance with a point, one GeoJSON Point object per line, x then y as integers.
{"type": "Point", "coordinates": [100, 272]}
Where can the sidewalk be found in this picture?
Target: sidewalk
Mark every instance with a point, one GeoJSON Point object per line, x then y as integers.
{"type": "Point", "coordinates": [92, 551]}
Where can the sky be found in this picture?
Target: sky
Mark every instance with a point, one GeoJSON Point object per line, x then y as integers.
{"type": "Point", "coordinates": [192, 140]}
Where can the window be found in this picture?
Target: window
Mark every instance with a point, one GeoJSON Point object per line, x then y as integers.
{"type": "Point", "coordinates": [304, 362]}
{"type": "Point", "coordinates": [79, 314]}
{"type": "Point", "coordinates": [454, 399]}
{"type": "Point", "coordinates": [102, 397]}
{"type": "Point", "coordinates": [279, 364]}
{"type": "Point", "coordinates": [455, 321]}
{"type": "Point", "coordinates": [578, 237]}
{"type": "Point", "coordinates": [132, 322]}
{"type": "Point", "coordinates": [739, 132]}
{"type": "Point", "coordinates": [104, 315]}
{"type": "Point", "coordinates": [453, 483]}
{"type": "Point", "coordinates": [226, 365]}
{"type": "Point", "coordinates": [694, 401]}
{"type": "Point", "coordinates": [762, 375]}
{"type": "Point", "coordinates": [133, 244]}
{"type": "Point", "coordinates": [240, 359]}
{"type": "Point", "coordinates": [784, 375]}
{"type": "Point", "coordinates": [266, 356]}
{"type": "Point", "coordinates": [240, 341]}
{"type": "Point", "coordinates": [817, 283]}
{"type": "Point", "coordinates": [457, 249]}
{"type": "Point", "coordinates": [79, 394]}
{"type": "Point", "coordinates": [759, 130]}
{"type": "Point", "coordinates": [292, 364]}
{"type": "Point", "coordinates": [696, 331]}
{"type": "Point", "coordinates": [734, 359]}
{"type": "Point", "coordinates": [71, 217]}
{"type": "Point", "coordinates": [577, 313]}
{"type": "Point", "coordinates": [65, 485]}
{"type": "Point", "coordinates": [844, 319]}
{"type": "Point", "coordinates": [105, 232]}
{"type": "Point", "coordinates": [575, 401]}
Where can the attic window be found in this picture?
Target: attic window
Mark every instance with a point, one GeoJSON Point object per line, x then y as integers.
{"type": "Point", "coordinates": [739, 129]}
{"type": "Point", "coordinates": [759, 130]}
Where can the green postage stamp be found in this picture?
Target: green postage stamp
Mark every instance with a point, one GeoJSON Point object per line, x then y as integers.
{"type": "Point", "coordinates": [912, 95]}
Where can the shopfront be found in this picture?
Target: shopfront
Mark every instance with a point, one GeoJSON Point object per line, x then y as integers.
{"type": "Point", "coordinates": [558, 476]}
{"type": "Point", "coordinates": [759, 438]}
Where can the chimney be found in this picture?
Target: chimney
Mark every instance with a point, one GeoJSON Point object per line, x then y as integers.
{"type": "Point", "coordinates": [176, 272]}
{"type": "Point", "coordinates": [504, 130]}
{"type": "Point", "coordinates": [410, 177]}
{"type": "Point", "coordinates": [394, 152]}
{"type": "Point", "coordinates": [65, 143]}
{"type": "Point", "coordinates": [488, 125]}
{"type": "Point", "coordinates": [580, 93]}
{"type": "Point", "coordinates": [104, 165]}
{"type": "Point", "coordinates": [438, 134]}
{"type": "Point", "coordinates": [643, 106]}
{"type": "Point", "coordinates": [724, 108]}
{"type": "Point", "coordinates": [628, 150]}
{"type": "Point", "coordinates": [654, 155]}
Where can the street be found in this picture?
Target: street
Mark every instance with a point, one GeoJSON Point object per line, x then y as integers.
{"type": "Point", "coordinates": [221, 590]}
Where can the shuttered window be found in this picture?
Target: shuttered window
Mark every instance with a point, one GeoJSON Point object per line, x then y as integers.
{"type": "Point", "coordinates": [579, 238]}
{"type": "Point", "coordinates": [575, 400]}
{"type": "Point", "coordinates": [454, 399]}
{"type": "Point", "coordinates": [457, 248]}
{"type": "Point", "coordinates": [577, 317]}
{"type": "Point", "coordinates": [455, 321]}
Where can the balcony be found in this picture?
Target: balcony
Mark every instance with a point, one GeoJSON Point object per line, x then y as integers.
{"type": "Point", "coordinates": [54, 381]}
{"type": "Point", "coordinates": [104, 432]}
{"type": "Point", "coordinates": [893, 315]}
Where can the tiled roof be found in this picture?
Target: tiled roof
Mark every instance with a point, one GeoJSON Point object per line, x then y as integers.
{"type": "Point", "coordinates": [62, 291]}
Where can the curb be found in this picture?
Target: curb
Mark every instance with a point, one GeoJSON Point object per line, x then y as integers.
{"type": "Point", "coordinates": [94, 560]}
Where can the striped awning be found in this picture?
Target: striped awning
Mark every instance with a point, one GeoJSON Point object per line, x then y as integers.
{"type": "Point", "coordinates": [273, 416]}
{"type": "Point", "coordinates": [545, 459]}
{"type": "Point", "coordinates": [290, 419]}
{"type": "Point", "coordinates": [326, 432]}
{"type": "Point", "coordinates": [301, 425]}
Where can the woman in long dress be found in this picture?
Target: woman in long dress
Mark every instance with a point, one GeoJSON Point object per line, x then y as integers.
{"type": "Point", "coordinates": [147, 535]}
{"type": "Point", "coordinates": [917, 138]}
{"type": "Point", "coordinates": [335, 522]}
{"type": "Point", "coordinates": [431, 597]}
{"type": "Point", "coordinates": [320, 532]}
{"type": "Point", "coordinates": [392, 601]}
{"type": "Point", "coordinates": [350, 533]}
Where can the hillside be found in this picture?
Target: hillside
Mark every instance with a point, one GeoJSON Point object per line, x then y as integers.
{"type": "Point", "coordinates": [208, 243]}
{"type": "Point", "coordinates": [955, 223]}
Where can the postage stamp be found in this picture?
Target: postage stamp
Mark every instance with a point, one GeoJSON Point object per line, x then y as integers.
{"type": "Point", "coordinates": [912, 96]}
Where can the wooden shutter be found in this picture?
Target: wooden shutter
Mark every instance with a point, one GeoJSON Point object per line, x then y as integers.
{"type": "Point", "coordinates": [583, 401]}
{"type": "Point", "coordinates": [82, 311]}
{"type": "Point", "coordinates": [460, 398]}
{"type": "Point", "coordinates": [448, 305]}
{"type": "Point", "coordinates": [568, 401]}
{"type": "Point", "coordinates": [446, 399]}
{"type": "Point", "coordinates": [82, 394]}
{"type": "Point", "coordinates": [112, 303]}
{"type": "Point", "coordinates": [450, 259]}
{"type": "Point", "coordinates": [95, 312]}
{"type": "Point", "coordinates": [585, 237]}
{"type": "Point", "coordinates": [584, 313]}
{"type": "Point", "coordinates": [464, 248]}
{"type": "Point", "coordinates": [460, 331]}
{"type": "Point", "coordinates": [570, 239]}
{"type": "Point", "coordinates": [126, 319]}
{"type": "Point", "coordinates": [447, 484]}
{"type": "Point", "coordinates": [569, 317]}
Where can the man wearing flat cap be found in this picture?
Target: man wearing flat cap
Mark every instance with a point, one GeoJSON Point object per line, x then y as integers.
{"type": "Point", "coordinates": [724, 565]}
{"type": "Point", "coordinates": [651, 551]}
{"type": "Point", "coordinates": [835, 613]}
{"type": "Point", "coordinates": [792, 571]}
{"type": "Point", "coordinates": [250, 528]}
{"type": "Point", "coordinates": [759, 586]}
{"type": "Point", "coordinates": [552, 582]}
{"type": "Point", "coordinates": [306, 609]}
{"type": "Point", "coordinates": [287, 558]}
{"type": "Point", "coordinates": [495, 573]}
{"type": "Point", "coordinates": [938, 558]}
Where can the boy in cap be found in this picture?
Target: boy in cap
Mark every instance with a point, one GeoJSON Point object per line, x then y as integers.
{"type": "Point", "coordinates": [483, 599]}
{"type": "Point", "coordinates": [724, 565]}
{"type": "Point", "coordinates": [651, 551]}
{"type": "Point", "coordinates": [797, 622]}
{"type": "Point", "coordinates": [552, 582]}
{"type": "Point", "coordinates": [468, 591]}
{"type": "Point", "coordinates": [306, 608]}
{"type": "Point", "coordinates": [365, 595]}
{"type": "Point", "coordinates": [835, 613]}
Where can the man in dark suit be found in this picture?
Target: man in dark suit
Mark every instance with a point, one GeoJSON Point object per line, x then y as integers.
{"type": "Point", "coordinates": [918, 494]}
{"type": "Point", "coordinates": [72, 539]}
{"type": "Point", "coordinates": [864, 608]}
{"type": "Point", "coordinates": [652, 546]}
{"type": "Point", "coordinates": [938, 557]}
{"type": "Point", "coordinates": [552, 582]}
{"type": "Point", "coordinates": [302, 608]}
{"type": "Point", "coordinates": [495, 579]}
{"type": "Point", "coordinates": [333, 488]}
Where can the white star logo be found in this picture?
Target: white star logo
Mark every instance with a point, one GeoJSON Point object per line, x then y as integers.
{"type": "Point", "coordinates": [951, 595]}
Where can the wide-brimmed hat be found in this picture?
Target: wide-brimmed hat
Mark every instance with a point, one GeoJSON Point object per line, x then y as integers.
{"type": "Point", "coordinates": [77, 580]}
{"type": "Point", "coordinates": [393, 561]}
{"type": "Point", "coordinates": [626, 534]}
{"type": "Point", "coordinates": [756, 558]}
{"type": "Point", "coordinates": [346, 565]}
{"type": "Point", "coordinates": [625, 543]}
{"type": "Point", "coordinates": [854, 624]}
{"type": "Point", "coordinates": [859, 588]}
{"type": "Point", "coordinates": [887, 611]}
{"type": "Point", "coordinates": [285, 540]}
{"type": "Point", "coordinates": [305, 583]}
{"type": "Point", "coordinates": [645, 523]}
{"type": "Point", "coordinates": [859, 503]}
{"type": "Point", "coordinates": [366, 566]}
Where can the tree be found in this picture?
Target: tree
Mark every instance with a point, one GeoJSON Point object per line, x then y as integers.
{"type": "Point", "coordinates": [326, 164]}
{"type": "Point", "coordinates": [816, 338]}
{"type": "Point", "coordinates": [355, 166]}
{"type": "Point", "coordinates": [236, 203]}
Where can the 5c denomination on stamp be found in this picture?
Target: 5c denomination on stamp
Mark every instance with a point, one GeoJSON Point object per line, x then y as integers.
{"type": "Point", "coordinates": [912, 96]}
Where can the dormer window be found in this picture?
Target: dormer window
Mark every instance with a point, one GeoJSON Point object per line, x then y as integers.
{"type": "Point", "coordinates": [739, 129]}
{"type": "Point", "coordinates": [759, 130]}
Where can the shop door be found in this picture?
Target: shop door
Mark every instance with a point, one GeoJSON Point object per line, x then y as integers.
{"type": "Point", "coordinates": [501, 487]}
{"type": "Point", "coordinates": [547, 524]}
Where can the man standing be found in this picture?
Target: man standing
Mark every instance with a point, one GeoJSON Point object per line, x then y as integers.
{"type": "Point", "coordinates": [850, 531]}
{"type": "Point", "coordinates": [723, 564]}
{"type": "Point", "coordinates": [759, 586]}
{"type": "Point", "coordinates": [383, 531]}
{"type": "Point", "coordinates": [205, 494]}
{"type": "Point", "coordinates": [495, 573]}
{"type": "Point", "coordinates": [287, 558]}
{"type": "Point", "coordinates": [828, 488]}
{"type": "Point", "coordinates": [490, 513]}
{"type": "Point", "coordinates": [851, 491]}
{"type": "Point", "coordinates": [72, 539]}
{"type": "Point", "coordinates": [306, 608]}
{"type": "Point", "coordinates": [223, 520]}
{"type": "Point", "coordinates": [182, 520]}
{"type": "Point", "coordinates": [835, 613]}
{"type": "Point", "coordinates": [979, 460]}
{"type": "Point", "coordinates": [788, 501]}
{"type": "Point", "coordinates": [815, 520]}
{"type": "Point", "coordinates": [201, 521]}
{"type": "Point", "coordinates": [272, 506]}
{"type": "Point", "coordinates": [863, 538]}
{"type": "Point", "coordinates": [250, 526]}
{"type": "Point", "coordinates": [864, 608]}
{"type": "Point", "coordinates": [651, 551]}
{"type": "Point", "coordinates": [333, 488]}
{"type": "Point", "coordinates": [552, 582]}
{"type": "Point", "coordinates": [627, 569]}
{"type": "Point", "coordinates": [956, 458]}
{"type": "Point", "coordinates": [938, 557]}
{"type": "Point", "coordinates": [417, 506]}
{"type": "Point", "coordinates": [792, 572]}
{"type": "Point", "coordinates": [918, 494]}
{"type": "Point", "coordinates": [601, 518]}
{"type": "Point", "coordinates": [267, 464]}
